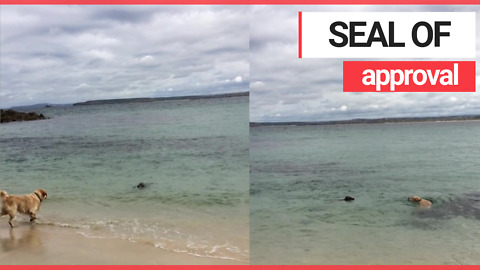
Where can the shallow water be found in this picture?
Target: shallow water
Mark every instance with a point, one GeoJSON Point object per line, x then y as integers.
{"type": "Point", "coordinates": [300, 174]}
{"type": "Point", "coordinates": [193, 155]}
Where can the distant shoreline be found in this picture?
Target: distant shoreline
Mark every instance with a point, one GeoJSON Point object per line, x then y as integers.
{"type": "Point", "coordinates": [372, 121]}
{"type": "Point", "coordinates": [141, 100]}
{"type": "Point", "coordinates": [124, 101]}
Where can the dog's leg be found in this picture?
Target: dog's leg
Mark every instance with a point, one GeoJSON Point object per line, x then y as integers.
{"type": "Point", "coordinates": [33, 217]}
{"type": "Point", "coordinates": [11, 220]}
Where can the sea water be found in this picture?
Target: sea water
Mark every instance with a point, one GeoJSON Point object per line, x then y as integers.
{"type": "Point", "coordinates": [301, 174]}
{"type": "Point", "coordinates": [191, 154]}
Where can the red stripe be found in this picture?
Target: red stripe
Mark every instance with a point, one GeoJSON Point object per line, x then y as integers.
{"type": "Point", "coordinates": [299, 34]}
{"type": "Point", "coordinates": [246, 267]}
{"type": "Point", "coordinates": [240, 2]}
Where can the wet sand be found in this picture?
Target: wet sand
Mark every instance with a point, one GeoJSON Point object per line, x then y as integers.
{"type": "Point", "coordinates": [38, 244]}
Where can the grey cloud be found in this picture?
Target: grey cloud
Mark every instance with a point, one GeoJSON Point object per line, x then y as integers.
{"type": "Point", "coordinates": [64, 54]}
{"type": "Point", "coordinates": [285, 88]}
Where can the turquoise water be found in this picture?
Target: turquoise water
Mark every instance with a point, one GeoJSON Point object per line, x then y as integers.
{"type": "Point", "coordinates": [300, 174]}
{"type": "Point", "coordinates": [193, 155]}
{"type": "Point", "coordinates": [195, 158]}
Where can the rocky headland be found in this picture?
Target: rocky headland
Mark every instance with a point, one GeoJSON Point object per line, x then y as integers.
{"type": "Point", "coordinates": [139, 100]}
{"type": "Point", "coordinates": [7, 116]}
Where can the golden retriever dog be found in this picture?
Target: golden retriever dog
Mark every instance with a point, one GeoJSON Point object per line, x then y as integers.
{"type": "Point", "coordinates": [423, 203]}
{"type": "Point", "coordinates": [27, 204]}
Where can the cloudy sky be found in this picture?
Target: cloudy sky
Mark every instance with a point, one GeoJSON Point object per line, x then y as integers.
{"type": "Point", "coordinates": [285, 88]}
{"type": "Point", "coordinates": [67, 54]}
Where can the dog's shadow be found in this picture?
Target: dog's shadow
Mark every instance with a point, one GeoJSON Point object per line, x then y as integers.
{"type": "Point", "coordinates": [28, 239]}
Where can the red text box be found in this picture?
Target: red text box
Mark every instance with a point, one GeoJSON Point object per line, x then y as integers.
{"type": "Point", "coordinates": [409, 76]}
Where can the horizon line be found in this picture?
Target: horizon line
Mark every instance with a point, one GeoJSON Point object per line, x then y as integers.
{"type": "Point", "coordinates": [381, 120]}
{"type": "Point", "coordinates": [246, 93]}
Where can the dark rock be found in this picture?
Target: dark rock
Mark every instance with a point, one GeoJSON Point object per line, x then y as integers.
{"type": "Point", "coordinates": [349, 198]}
{"type": "Point", "coordinates": [14, 116]}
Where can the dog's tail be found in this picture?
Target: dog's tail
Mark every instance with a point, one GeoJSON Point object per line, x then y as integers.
{"type": "Point", "coordinates": [3, 194]}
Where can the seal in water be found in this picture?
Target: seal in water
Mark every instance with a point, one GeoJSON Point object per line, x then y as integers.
{"type": "Point", "coordinates": [349, 198]}
{"type": "Point", "coordinates": [141, 185]}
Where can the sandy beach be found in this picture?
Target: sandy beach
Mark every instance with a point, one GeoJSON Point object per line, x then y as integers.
{"type": "Point", "coordinates": [39, 244]}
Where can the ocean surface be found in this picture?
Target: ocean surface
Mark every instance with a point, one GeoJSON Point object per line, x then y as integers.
{"type": "Point", "coordinates": [300, 175]}
{"type": "Point", "coordinates": [192, 155]}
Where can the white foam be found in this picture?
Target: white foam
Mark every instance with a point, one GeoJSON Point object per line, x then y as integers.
{"type": "Point", "coordinates": [168, 239]}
